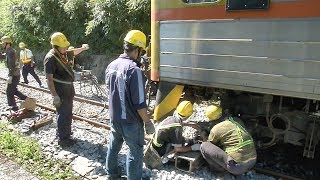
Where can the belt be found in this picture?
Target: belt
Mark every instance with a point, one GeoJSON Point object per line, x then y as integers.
{"type": "Point", "coordinates": [63, 82]}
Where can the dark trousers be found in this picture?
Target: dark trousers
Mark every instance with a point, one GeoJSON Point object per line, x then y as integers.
{"type": "Point", "coordinates": [64, 112]}
{"type": "Point", "coordinates": [26, 69]}
{"type": "Point", "coordinates": [12, 90]}
{"type": "Point", "coordinates": [220, 161]}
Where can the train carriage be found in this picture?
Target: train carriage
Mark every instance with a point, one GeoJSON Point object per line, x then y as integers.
{"type": "Point", "coordinates": [265, 54]}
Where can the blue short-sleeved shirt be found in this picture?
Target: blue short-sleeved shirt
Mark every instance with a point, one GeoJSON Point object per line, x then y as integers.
{"type": "Point", "coordinates": [125, 83]}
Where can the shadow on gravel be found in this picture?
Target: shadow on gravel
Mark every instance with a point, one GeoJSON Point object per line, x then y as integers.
{"type": "Point", "coordinates": [89, 150]}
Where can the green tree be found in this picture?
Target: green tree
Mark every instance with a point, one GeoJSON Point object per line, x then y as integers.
{"type": "Point", "coordinates": [101, 23]}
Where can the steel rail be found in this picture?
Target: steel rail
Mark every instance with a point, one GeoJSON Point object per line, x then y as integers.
{"type": "Point", "coordinates": [77, 98]}
{"type": "Point", "coordinates": [75, 117]}
{"type": "Point", "coordinates": [275, 174]}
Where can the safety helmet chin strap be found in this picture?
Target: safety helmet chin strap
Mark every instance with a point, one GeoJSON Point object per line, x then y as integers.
{"type": "Point", "coordinates": [57, 50]}
{"type": "Point", "coordinates": [137, 60]}
{"type": "Point", "coordinates": [177, 115]}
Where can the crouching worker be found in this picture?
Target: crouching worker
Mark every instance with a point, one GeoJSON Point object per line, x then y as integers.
{"type": "Point", "coordinates": [229, 146]}
{"type": "Point", "coordinates": [168, 136]}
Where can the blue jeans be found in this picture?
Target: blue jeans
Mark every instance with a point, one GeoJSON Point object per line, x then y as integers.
{"type": "Point", "coordinates": [132, 132]}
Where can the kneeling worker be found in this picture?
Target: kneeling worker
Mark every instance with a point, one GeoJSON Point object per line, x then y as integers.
{"type": "Point", "coordinates": [169, 131]}
{"type": "Point", "coordinates": [229, 147]}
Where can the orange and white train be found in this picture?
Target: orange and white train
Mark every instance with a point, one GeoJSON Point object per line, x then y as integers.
{"type": "Point", "coordinates": [259, 58]}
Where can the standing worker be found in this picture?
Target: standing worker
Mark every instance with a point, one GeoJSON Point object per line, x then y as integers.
{"type": "Point", "coordinates": [127, 107]}
{"type": "Point", "coordinates": [13, 65]}
{"type": "Point", "coordinates": [229, 146]}
{"type": "Point", "coordinates": [60, 83]}
{"type": "Point", "coordinates": [27, 59]}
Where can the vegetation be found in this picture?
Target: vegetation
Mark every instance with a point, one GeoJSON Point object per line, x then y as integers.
{"type": "Point", "coordinates": [27, 152]}
{"type": "Point", "coordinates": [100, 23]}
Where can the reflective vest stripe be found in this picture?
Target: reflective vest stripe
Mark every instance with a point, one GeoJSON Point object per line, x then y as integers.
{"type": "Point", "coordinates": [63, 82]}
{"type": "Point", "coordinates": [241, 143]}
{"type": "Point", "coordinates": [161, 127]}
{"type": "Point", "coordinates": [25, 60]}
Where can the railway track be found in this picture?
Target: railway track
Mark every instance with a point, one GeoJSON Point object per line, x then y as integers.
{"type": "Point", "coordinates": [91, 111]}
{"type": "Point", "coordinates": [87, 102]}
{"type": "Point", "coordinates": [76, 98]}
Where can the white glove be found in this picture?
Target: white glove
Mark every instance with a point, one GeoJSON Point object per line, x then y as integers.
{"type": "Point", "coordinates": [56, 101]}
{"type": "Point", "coordinates": [85, 46]}
{"type": "Point", "coordinates": [9, 81]}
{"type": "Point", "coordinates": [149, 127]}
{"type": "Point", "coordinates": [196, 147]}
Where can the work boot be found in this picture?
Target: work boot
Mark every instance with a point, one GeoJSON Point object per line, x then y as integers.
{"type": "Point", "coordinates": [67, 142]}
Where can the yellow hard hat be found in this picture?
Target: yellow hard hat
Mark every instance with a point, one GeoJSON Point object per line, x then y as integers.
{"type": "Point", "coordinates": [137, 38]}
{"type": "Point", "coordinates": [59, 39]}
{"type": "Point", "coordinates": [6, 39]}
{"type": "Point", "coordinates": [213, 112]}
{"type": "Point", "coordinates": [185, 109]}
{"type": "Point", "coordinates": [22, 45]}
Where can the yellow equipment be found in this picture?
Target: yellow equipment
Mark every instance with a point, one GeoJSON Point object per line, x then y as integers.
{"type": "Point", "coordinates": [213, 112]}
{"type": "Point", "coordinates": [137, 38]}
{"type": "Point", "coordinates": [185, 109]}
{"type": "Point", "coordinates": [59, 39]}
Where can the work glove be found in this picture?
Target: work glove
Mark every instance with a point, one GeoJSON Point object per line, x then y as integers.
{"type": "Point", "coordinates": [56, 101]}
{"type": "Point", "coordinates": [196, 147]}
{"type": "Point", "coordinates": [85, 46]}
{"type": "Point", "coordinates": [149, 127]}
{"type": "Point", "coordinates": [9, 81]}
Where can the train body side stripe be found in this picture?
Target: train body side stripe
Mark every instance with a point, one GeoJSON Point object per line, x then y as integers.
{"type": "Point", "coordinates": [295, 9]}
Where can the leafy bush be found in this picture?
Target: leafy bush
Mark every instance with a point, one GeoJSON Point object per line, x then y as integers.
{"type": "Point", "coordinates": [101, 23]}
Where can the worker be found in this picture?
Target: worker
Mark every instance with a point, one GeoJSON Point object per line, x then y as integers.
{"type": "Point", "coordinates": [60, 78]}
{"type": "Point", "coordinates": [229, 146]}
{"type": "Point", "coordinates": [27, 59]}
{"type": "Point", "coordinates": [127, 107]}
{"type": "Point", "coordinates": [13, 65]}
{"type": "Point", "coordinates": [169, 132]}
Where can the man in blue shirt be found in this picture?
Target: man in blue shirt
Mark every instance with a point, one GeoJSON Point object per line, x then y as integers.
{"type": "Point", "coordinates": [127, 107]}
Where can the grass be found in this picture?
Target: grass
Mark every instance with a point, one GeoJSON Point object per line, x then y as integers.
{"type": "Point", "coordinates": [27, 152]}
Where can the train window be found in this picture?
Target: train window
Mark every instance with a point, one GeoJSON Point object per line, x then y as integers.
{"type": "Point", "coordinates": [198, 1]}
{"type": "Point", "coordinates": [247, 4]}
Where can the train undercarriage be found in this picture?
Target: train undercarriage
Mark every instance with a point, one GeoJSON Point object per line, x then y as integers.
{"type": "Point", "coordinates": [271, 119]}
